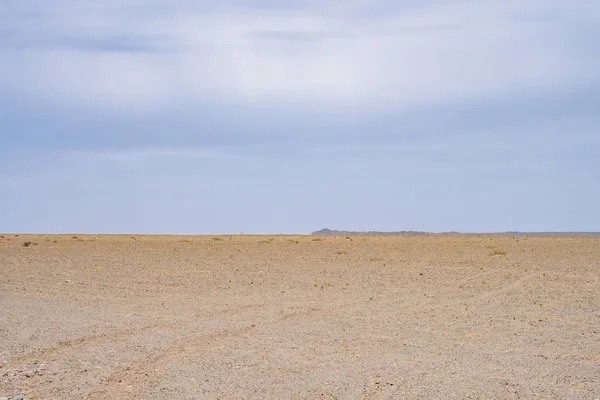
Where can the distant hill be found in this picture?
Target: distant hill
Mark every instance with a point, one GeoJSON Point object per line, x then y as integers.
{"type": "Point", "coordinates": [330, 232]}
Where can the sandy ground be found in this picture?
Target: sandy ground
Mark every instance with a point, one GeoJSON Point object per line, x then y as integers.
{"type": "Point", "coordinates": [252, 317]}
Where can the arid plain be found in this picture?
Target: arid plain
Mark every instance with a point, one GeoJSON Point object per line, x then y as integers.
{"type": "Point", "coordinates": [299, 317]}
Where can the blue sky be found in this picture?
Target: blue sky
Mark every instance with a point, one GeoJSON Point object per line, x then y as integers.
{"type": "Point", "coordinates": [149, 116]}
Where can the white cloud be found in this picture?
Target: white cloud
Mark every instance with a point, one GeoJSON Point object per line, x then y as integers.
{"type": "Point", "coordinates": [428, 54]}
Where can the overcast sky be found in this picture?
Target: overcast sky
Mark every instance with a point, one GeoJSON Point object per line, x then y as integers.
{"type": "Point", "coordinates": [272, 117]}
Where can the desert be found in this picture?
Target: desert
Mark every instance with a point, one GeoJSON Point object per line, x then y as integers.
{"type": "Point", "coordinates": [299, 317]}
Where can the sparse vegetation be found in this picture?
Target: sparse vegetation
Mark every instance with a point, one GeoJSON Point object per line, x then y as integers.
{"type": "Point", "coordinates": [27, 244]}
{"type": "Point", "coordinates": [216, 239]}
{"type": "Point", "coordinates": [340, 252]}
{"type": "Point", "coordinates": [323, 286]}
{"type": "Point", "coordinates": [317, 239]}
{"type": "Point", "coordinates": [499, 253]}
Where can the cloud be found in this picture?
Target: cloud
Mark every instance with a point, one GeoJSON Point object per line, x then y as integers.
{"type": "Point", "coordinates": [111, 44]}
{"type": "Point", "coordinates": [275, 116]}
{"type": "Point", "coordinates": [106, 55]}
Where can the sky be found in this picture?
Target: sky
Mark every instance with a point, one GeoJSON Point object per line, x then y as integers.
{"type": "Point", "coordinates": [264, 116]}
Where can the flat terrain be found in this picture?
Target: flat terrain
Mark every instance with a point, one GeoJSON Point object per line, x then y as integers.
{"type": "Point", "coordinates": [255, 317]}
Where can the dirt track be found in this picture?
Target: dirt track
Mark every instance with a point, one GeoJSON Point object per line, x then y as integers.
{"type": "Point", "coordinates": [252, 317]}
